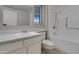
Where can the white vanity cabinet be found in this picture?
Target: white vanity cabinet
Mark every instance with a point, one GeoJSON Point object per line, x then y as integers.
{"type": "Point", "coordinates": [35, 48]}
{"type": "Point", "coordinates": [34, 45]}
{"type": "Point", "coordinates": [11, 46]}
{"type": "Point", "coordinates": [31, 45]}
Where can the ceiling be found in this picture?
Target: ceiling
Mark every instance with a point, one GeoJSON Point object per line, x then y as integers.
{"type": "Point", "coordinates": [21, 7]}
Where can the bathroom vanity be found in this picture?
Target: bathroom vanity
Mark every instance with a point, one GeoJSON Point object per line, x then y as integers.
{"type": "Point", "coordinates": [16, 18]}
{"type": "Point", "coordinates": [20, 43]}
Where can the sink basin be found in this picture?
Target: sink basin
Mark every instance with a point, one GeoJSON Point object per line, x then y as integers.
{"type": "Point", "coordinates": [26, 33]}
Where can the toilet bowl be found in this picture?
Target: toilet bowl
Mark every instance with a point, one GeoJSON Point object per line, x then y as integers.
{"type": "Point", "coordinates": [47, 44]}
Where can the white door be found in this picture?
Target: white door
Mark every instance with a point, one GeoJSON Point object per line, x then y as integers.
{"type": "Point", "coordinates": [9, 17]}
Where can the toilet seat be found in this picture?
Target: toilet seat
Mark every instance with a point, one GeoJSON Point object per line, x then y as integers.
{"type": "Point", "coordinates": [47, 44]}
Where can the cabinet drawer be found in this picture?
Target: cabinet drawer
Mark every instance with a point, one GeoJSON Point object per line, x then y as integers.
{"type": "Point", "coordinates": [5, 48]}
{"type": "Point", "coordinates": [32, 40]}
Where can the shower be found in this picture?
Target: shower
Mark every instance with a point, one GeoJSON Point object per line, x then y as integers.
{"type": "Point", "coordinates": [55, 21]}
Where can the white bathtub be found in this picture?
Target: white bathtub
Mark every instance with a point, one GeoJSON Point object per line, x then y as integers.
{"type": "Point", "coordinates": [67, 43]}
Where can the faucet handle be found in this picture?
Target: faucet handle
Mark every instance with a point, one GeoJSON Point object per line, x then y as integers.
{"type": "Point", "coordinates": [24, 31]}
{"type": "Point", "coordinates": [54, 27]}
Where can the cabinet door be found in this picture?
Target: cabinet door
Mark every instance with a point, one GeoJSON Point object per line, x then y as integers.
{"type": "Point", "coordinates": [19, 51]}
{"type": "Point", "coordinates": [11, 46]}
{"type": "Point", "coordinates": [35, 48]}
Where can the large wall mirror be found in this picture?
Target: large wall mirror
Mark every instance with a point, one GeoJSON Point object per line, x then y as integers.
{"type": "Point", "coordinates": [21, 15]}
{"type": "Point", "coordinates": [17, 15]}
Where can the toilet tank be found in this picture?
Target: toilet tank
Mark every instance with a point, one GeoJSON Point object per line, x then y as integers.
{"type": "Point", "coordinates": [43, 34]}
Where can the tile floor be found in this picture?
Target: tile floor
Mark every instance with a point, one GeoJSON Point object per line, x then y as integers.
{"type": "Point", "coordinates": [53, 51]}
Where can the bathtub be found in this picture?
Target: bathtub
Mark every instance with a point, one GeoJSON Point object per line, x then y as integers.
{"type": "Point", "coordinates": [67, 43]}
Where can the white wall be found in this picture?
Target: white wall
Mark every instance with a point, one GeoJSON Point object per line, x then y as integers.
{"type": "Point", "coordinates": [67, 39]}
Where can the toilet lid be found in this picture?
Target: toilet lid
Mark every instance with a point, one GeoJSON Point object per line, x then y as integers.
{"type": "Point", "coordinates": [47, 42]}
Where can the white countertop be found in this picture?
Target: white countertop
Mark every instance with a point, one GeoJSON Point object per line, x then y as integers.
{"type": "Point", "coordinates": [17, 36]}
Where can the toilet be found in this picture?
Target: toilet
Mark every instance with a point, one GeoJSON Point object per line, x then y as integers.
{"type": "Point", "coordinates": [46, 43]}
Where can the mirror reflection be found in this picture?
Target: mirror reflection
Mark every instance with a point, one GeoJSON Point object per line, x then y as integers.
{"type": "Point", "coordinates": [17, 15]}
{"type": "Point", "coordinates": [21, 15]}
